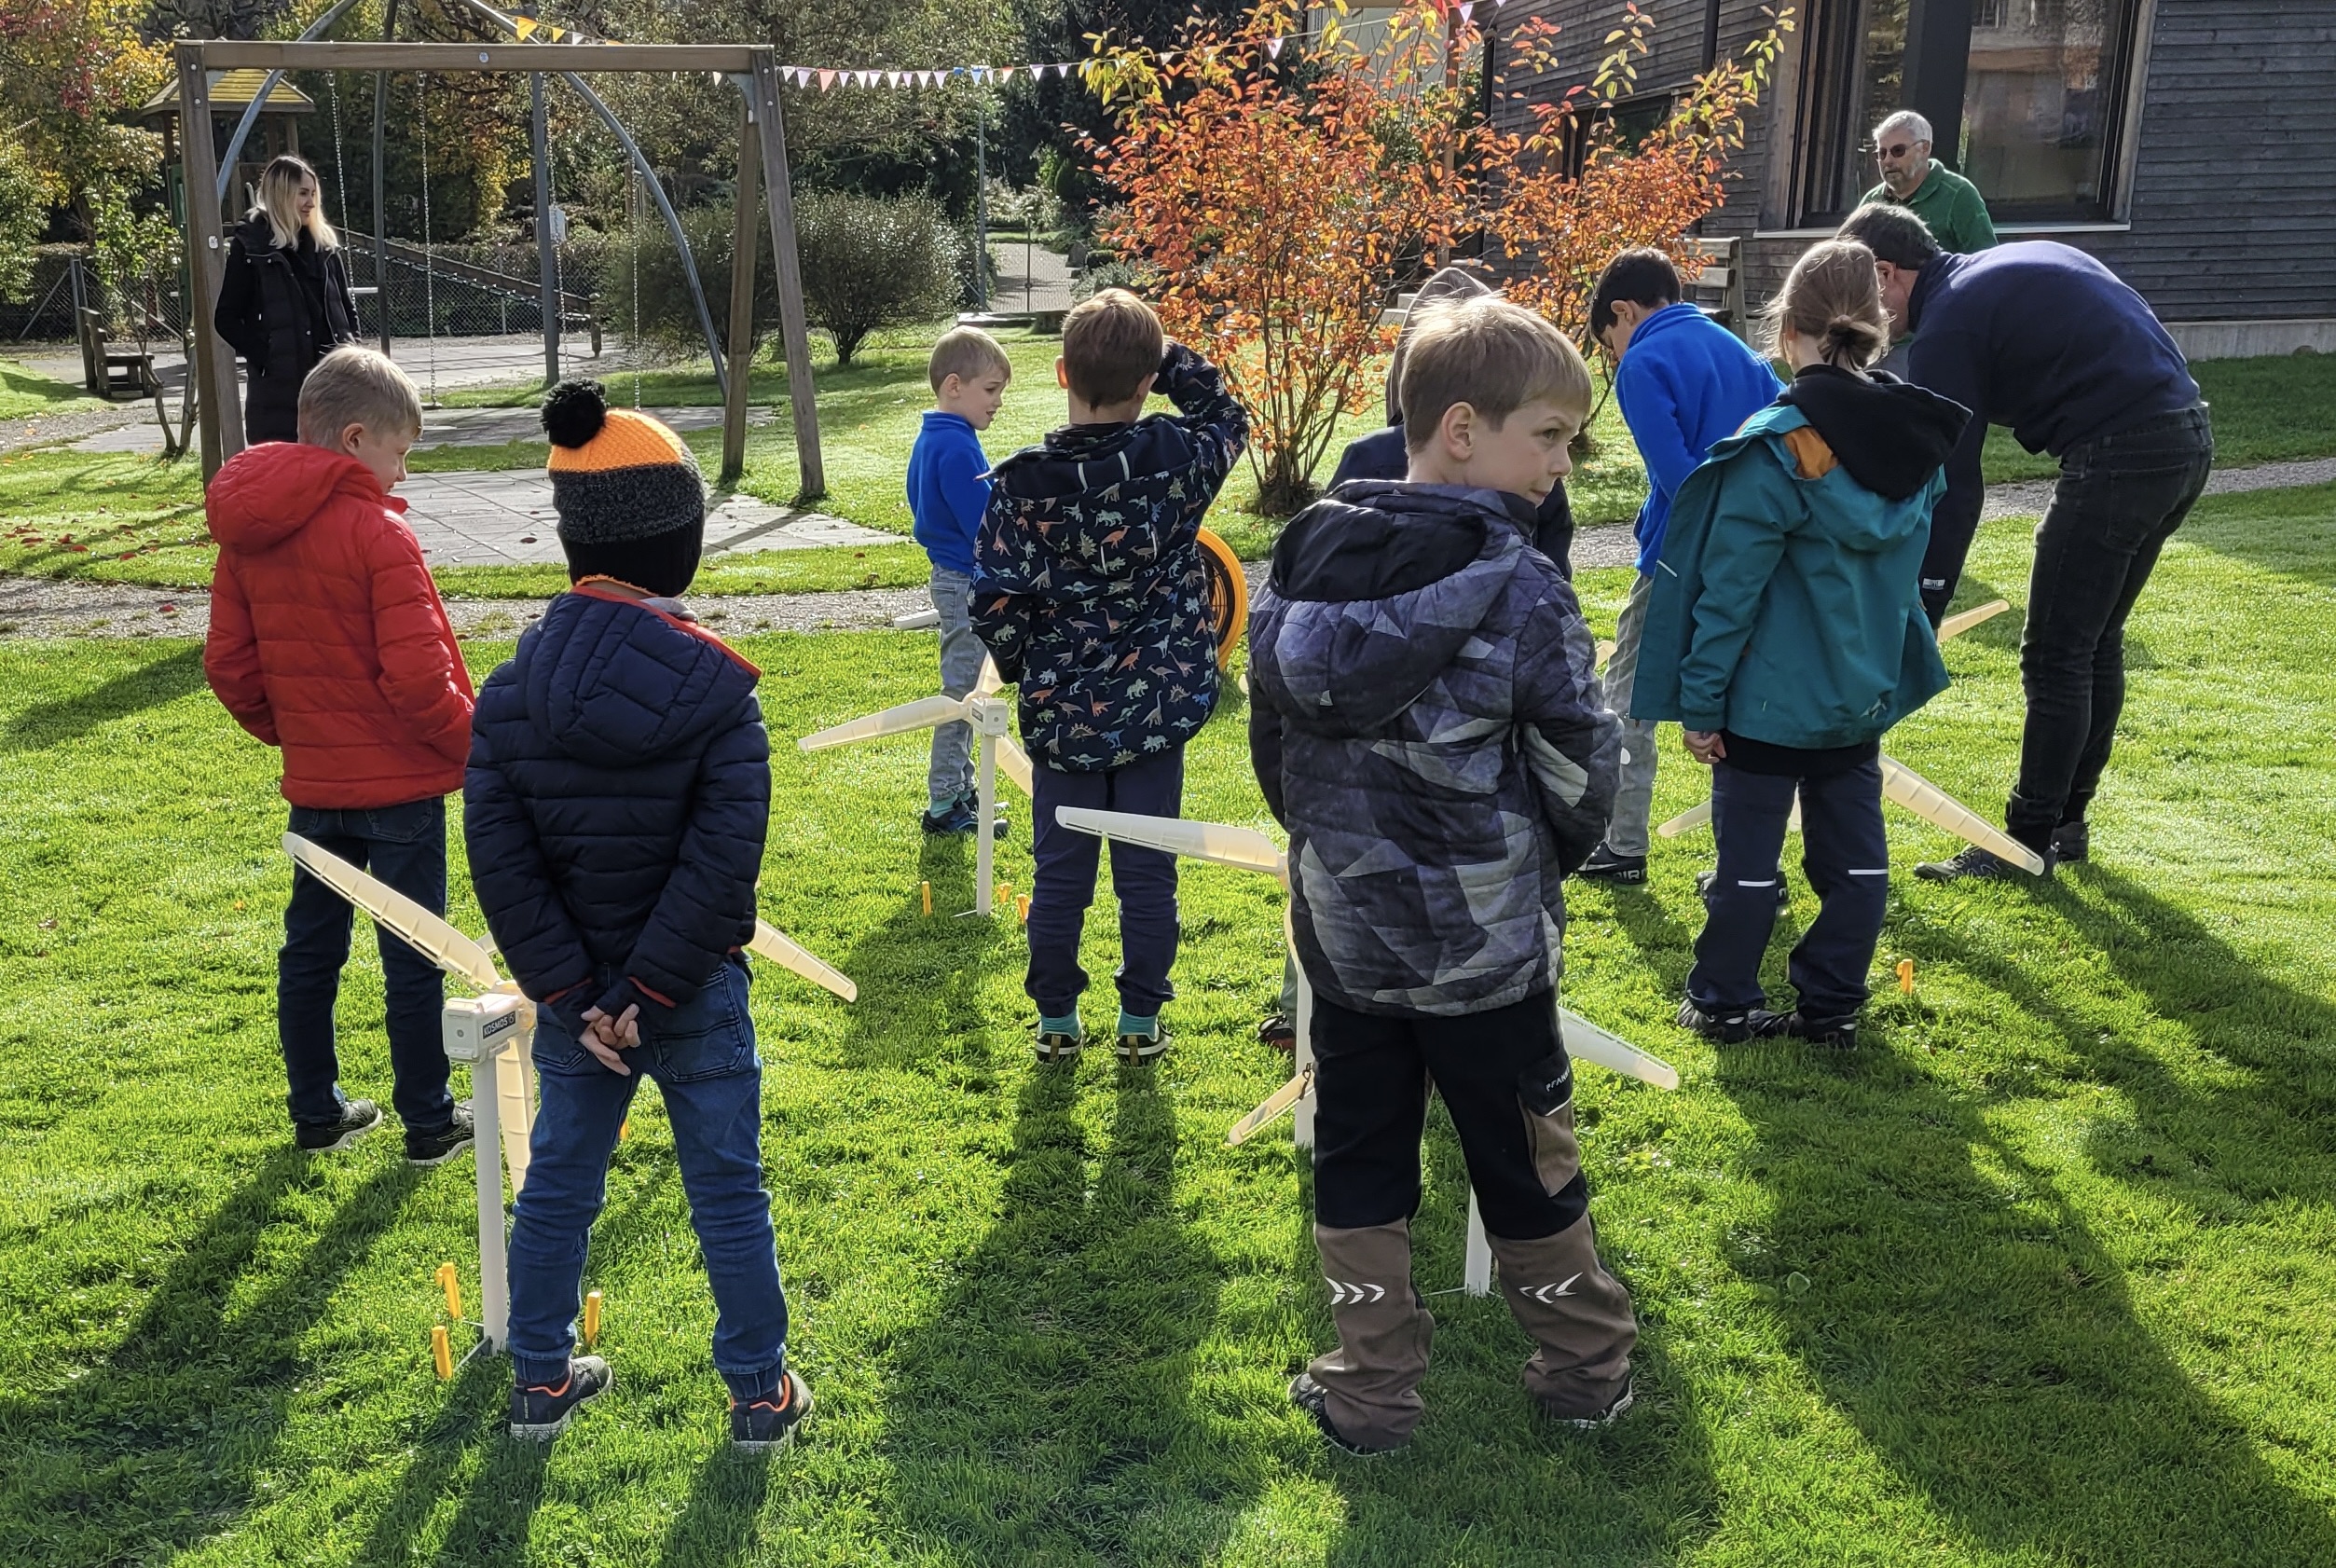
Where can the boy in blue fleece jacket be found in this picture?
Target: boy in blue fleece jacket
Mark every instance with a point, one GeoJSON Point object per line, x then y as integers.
{"type": "Point", "coordinates": [949, 490]}
{"type": "Point", "coordinates": [1683, 382]}
{"type": "Point", "coordinates": [1090, 591]}
{"type": "Point", "coordinates": [615, 806]}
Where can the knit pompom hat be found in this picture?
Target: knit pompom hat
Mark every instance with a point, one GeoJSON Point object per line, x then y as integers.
{"type": "Point", "coordinates": [631, 503]}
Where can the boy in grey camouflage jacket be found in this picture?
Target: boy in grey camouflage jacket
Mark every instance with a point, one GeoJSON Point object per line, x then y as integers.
{"type": "Point", "coordinates": [1427, 724]}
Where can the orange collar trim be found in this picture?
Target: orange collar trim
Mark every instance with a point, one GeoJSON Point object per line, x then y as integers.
{"type": "Point", "coordinates": [592, 587]}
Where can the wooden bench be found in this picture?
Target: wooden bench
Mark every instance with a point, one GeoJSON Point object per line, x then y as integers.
{"type": "Point", "coordinates": [1718, 287]}
{"type": "Point", "coordinates": [114, 373]}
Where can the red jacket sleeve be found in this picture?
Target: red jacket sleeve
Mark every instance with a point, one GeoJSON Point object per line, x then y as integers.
{"type": "Point", "coordinates": [231, 655]}
{"type": "Point", "coordinates": [423, 676]}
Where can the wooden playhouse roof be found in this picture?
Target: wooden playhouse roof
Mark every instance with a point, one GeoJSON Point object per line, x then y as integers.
{"type": "Point", "coordinates": [233, 90]}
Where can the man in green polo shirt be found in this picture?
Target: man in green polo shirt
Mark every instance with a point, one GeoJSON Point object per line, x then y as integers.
{"type": "Point", "coordinates": [1948, 204]}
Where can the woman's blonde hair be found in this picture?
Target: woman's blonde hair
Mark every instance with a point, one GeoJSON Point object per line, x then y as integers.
{"type": "Point", "coordinates": [1833, 298]}
{"type": "Point", "coordinates": [279, 202]}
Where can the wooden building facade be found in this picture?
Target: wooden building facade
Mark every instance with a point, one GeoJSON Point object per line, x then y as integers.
{"type": "Point", "coordinates": [2190, 143]}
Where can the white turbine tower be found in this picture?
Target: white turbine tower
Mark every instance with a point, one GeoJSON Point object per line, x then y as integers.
{"type": "Point", "coordinates": [491, 1032]}
{"type": "Point", "coordinates": [1246, 849]}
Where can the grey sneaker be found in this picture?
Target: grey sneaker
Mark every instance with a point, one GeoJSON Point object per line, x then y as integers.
{"type": "Point", "coordinates": [437, 1147]}
{"type": "Point", "coordinates": [1975, 864]}
{"type": "Point", "coordinates": [1730, 1028]}
{"type": "Point", "coordinates": [542, 1410]}
{"type": "Point", "coordinates": [1602, 1419]}
{"type": "Point", "coordinates": [357, 1118]}
{"type": "Point", "coordinates": [766, 1426]}
{"type": "Point", "coordinates": [1053, 1047]}
{"type": "Point", "coordinates": [1840, 1030]}
{"type": "Point", "coordinates": [1604, 865]}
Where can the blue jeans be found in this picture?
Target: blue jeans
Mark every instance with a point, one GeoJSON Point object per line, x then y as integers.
{"type": "Point", "coordinates": [2117, 501]}
{"type": "Point", "coordinates": [406, 846]}
{"type": "Point", "coordinates": [949, 776]}
{"type": "Point", "coordinates": [1063, 883]}
{"type": "Point", "coordinates": [702, 1056]}
{"type": "Point", "coordinates": [1846, 857]}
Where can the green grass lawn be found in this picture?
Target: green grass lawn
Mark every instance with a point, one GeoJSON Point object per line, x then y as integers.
{"type": "Point", "coordinates": [2039, 1274]}
{"type": "Point", "coordinates": [2264, 410]}
{"type": "Point", "coordinates": [26, 392]}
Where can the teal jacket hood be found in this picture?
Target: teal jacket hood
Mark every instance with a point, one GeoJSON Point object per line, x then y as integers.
{"type": "Point", "coordinates": [1786, 605]}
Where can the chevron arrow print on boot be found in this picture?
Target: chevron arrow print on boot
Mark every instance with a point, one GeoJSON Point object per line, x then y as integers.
{"type": "Point", "coordinates": [1548, 1294]}
{"type": "Point", "coordinates": [1345, 1295]}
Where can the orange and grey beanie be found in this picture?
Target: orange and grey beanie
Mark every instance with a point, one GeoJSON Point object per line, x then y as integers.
{"type": "Point", "coordinates": [631, 503]}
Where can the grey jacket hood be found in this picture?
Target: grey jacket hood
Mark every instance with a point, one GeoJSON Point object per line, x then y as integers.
{"type": "Point", "coordinates": [1448, 284]}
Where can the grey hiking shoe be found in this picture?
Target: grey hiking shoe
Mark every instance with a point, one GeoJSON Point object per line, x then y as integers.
{"type": "Point", "coordinates": [357, 1118]}
{"type": "Point", "coordinates": [766, 1426]}
{"type": "Point", "coordinates": [437, 1146]}
{"type": "Point", "coordinates": [1975, 864]}
{"type": "Point", "coordinates": [542, 1410]}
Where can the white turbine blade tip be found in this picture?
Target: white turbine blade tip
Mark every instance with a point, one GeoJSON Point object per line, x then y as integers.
{"type": "Point", "coordinates": [1586, 1043]}
{"type": "Point", "coordinates": [1940, 809]}
{"type": "Point", "coordinates": [1956, 625]}
{"type": "Point", "coordinates": [400, 915]}
{"type": "Point", "coordinates": [1693, 817]}
{"type": "Point", "coordinates": [785, 951]}
{"type": "Point", "coordinates": [1243, 848]}
{"type": "Point", "coordinates": [922, 714]}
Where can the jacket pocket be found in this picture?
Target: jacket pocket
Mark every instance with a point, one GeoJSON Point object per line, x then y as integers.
{"type": "Point", "coordinates": [1544, 1097]}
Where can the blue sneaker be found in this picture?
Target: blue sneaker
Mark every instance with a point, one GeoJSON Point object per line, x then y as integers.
{"type": "Point", "coordinates": [959, 817]}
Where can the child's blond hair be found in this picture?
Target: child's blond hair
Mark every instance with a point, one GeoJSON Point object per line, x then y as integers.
{"type": "Point", "coordinates": [1110, 343]}
{"type": "Point", "coordinates": [1832, 298]}
{"type": "Point", "coordinates": [1491, 354]}
{"type": "Point", "coordinates": [352, 386]}
{"type": "Point", "coordinates": [965, 352]}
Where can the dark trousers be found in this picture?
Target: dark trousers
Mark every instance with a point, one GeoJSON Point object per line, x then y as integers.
{"type": "Point", "coordinates": [1063, 883]}
{"type": "Point", "coordinates": [406, 846]}
{"type": "Point", "coordinates": [702, 1057]}
{"type": "Point", "coordinates": [1505, 1078]}
{"type": "Point", "coordinates": [1845, 855]}
{"type": "Point", "coordinates": [2118, 501]}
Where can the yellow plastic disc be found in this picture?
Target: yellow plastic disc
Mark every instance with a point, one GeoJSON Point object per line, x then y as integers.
{"type": "Point", "coordinates": [1229, 594]}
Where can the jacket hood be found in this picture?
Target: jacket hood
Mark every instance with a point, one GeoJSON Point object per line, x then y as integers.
{"type": "Point", "coordinates": [1891, 436]}
{"type": "Point", "coordinates": [619, 683]}
{"type": "Point", "coordinates": [268, 493]}
{"type": "Point", "coordinates": [1450, 284]}
{"type": "Point", "coordinates": [1381, 589]}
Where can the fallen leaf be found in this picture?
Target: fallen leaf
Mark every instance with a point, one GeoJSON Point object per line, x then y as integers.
{"type": "Point", "coordinates": [49, 924]}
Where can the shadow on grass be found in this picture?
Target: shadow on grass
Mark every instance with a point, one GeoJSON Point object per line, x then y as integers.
{"type": "Point", "coordinates": [1954, 1303]}
{"type": "Point", "coordinates": [161, 1444]}
{"type": "Point", "coordinates": [1046, 1410]}
{"type": "Point", "coordinates": [720, 1523]}
{"type": "Point", "coordinates": [2292, 532]}
{"type": "Point", "coordinates": [61, 720]}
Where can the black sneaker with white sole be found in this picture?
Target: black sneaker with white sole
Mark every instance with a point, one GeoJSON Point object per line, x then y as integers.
{"type": "Point", "coordinates": [1142, 1050]}
{"type": "Point", "coordinates": [1720, 1028]}
{"type": "Point", "coordinates": [1315, 1400]}
{"type": "Point", "coordinates": [1975, 864]}
{"type": "Point", "coordinates": [437, 1146]}
{"type": "Point", "coordinates": [357, 1118]}
{"type": "Point", "coordinates": [542, 1410]}
{"type": "Point", "coordinates": [2072, 843]}
{"type": "Point", "coordinates": [1604, 865]}
{"type": "Point", "coordinates": [1840, 1029]}
{"type": "Point", "coordinates": [1054, 1047]}
{"type": "Point", "coordinates": [768, 1425]}
{"type": "Point", "coordinates": [1599, 1421]}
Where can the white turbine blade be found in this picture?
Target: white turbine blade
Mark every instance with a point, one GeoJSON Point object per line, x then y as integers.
{"type": "Point", "coordinates": [1606, 652]}
{"type": "Point", "coordinates": [1014, 763]}
{"type": "Point", "coordinates": [1693, 817]}
{"type": "Point", "coordinates": [787, 953]}
{"type": "Point", "coordinates": [924, 713]}
{"type": "Point", "coordinates": [1956, 626]}
{"type": "Point", "coordinates": [1243, 849]}
{"type": "Point", "coordinates": [991, 682]}
{"type": "Point", "coordinates": [1275, 1104]}
{"type": "Point", "coordinates": [1936, 807]}
{"type": "Point", "coordinates": [398, 914]}
{"type": "Point", "coordinates": [1586, 1042]}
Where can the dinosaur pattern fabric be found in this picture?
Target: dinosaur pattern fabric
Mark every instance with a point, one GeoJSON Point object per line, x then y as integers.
{"type": "Point", "coordinates": [1087, 585]}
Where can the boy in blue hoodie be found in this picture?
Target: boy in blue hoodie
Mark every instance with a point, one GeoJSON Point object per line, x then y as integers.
{"type": "Point", "coordinates": [1683, 382]}
{"type": "Point", "coordinates": [1090, 592]}
{"type": "Point", "coordinates": [1425, 721]}
{"type": "Point", "coordinates": [949, 490]}
{"type": "Point", "coordinates": [618, 794]}
{"type": "Point", "coordinates": [1786, 633]}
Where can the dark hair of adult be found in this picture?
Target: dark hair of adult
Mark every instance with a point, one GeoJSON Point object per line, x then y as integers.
{"type": "Point", "coordinates": [1892, 234]}
{"type": "Point", "coordinates": [1643, 277]}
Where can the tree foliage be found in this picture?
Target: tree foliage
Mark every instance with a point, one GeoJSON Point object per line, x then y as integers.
{"type": "Point", "coordinates": [869, 262]}
{"type": "Point", "coordinates": [71, 72]}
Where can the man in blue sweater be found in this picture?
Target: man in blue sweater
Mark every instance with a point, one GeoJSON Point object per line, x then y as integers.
{"type": "Point", "coordinates": [949, 489]}
{"type": "Point", "coordinates": [2043, 339]}
{"type": "Point", "coordinates": [1685, 383]}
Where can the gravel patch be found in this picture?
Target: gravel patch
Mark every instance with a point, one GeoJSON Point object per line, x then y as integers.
{"type": "Point", "coordinates": [73, 424]}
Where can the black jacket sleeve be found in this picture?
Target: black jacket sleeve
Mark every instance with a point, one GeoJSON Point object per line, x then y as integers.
{"type": "Point", "coordinates": [1949, 363]}
{"type": "Point", "coordinates": [237, 314]}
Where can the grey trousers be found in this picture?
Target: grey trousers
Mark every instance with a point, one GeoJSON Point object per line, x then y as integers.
{"type": "Point", "coordinates": [951, 774]}
{"type": "Point", "coordinates": [1634, 798]}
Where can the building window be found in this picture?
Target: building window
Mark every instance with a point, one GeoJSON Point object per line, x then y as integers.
{"type": "Point", "coordinates": [2025, 97]}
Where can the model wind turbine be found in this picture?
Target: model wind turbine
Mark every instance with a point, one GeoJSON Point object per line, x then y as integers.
{"type": "Point", "coordinates": [991, 717]}
{"type": "Point", "coordinates": [1246, 849]}
{"type": "Point", "coordinates": [1910, 790]}
{"type": "Point", "coordinates": [491, 1032]}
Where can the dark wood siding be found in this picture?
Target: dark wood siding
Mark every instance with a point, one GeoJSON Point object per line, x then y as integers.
{"type": "Point", "coordinates": [2232, 208]}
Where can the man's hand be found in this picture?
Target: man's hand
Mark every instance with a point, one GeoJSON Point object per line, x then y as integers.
{"type": "Point", "coordinates": [604, 1037]}
{"type": "Point", "coordinates": [1705, 746]}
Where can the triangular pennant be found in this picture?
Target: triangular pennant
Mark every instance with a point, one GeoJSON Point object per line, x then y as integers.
{"type": "Point", "coordinates": [1274, 48]}
{"type": "Point", "coordinates": [827, 80]}
{"type": "Point", "coordinates": [1467, 8]}
{"type": "Point", "coordinates": [522, 26]}
{"type": "Point", "coordinates": [892, 78]}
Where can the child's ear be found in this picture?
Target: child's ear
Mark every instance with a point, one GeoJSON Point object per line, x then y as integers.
{"type": "Point", "coordinates": [1061, 375]}
{"type": "Point", "coordinates": [950, 387]}
{"type": "Point", "coordinates": [1144, 388]}
{"type": "Point", "coordinates": [1457, 432]}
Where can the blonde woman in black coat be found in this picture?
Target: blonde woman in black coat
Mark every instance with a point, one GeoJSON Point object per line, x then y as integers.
{"type": "Point", "coordinates": [287, 302]}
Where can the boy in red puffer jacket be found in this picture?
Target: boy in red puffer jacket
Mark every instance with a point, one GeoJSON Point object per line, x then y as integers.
{"type": "Point", "coordinates": [328, 639]}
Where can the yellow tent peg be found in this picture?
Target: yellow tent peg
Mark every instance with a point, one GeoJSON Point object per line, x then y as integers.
{"type": "Point", "coordinates": [451, 1283]}
{"type": "Point", "coordinates": [1906, 976]}
{"type": "Point", "coordinates": [925, 891]}
{"type": "Point", "coordinates": [441, 1351]}
{"type": "Point", "coordinates": [592, 1319]}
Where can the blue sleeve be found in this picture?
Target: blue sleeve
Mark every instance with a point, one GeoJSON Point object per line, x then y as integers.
{"type": "Point", "coordinates": [1651, 408]}
{"type": "Point", "coordinates": [1948, 363]}
{"type": "Point", "coordinates": [960, 471]}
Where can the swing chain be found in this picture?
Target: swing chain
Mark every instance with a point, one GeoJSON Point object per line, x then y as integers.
{"type": "Point", "coordinates": [429, 261]}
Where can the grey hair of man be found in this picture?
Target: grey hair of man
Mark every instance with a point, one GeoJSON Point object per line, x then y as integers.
{"type": "Point", "coordinates": [1913, 125]}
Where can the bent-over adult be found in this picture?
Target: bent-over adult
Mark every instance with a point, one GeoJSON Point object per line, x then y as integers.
{"type": "Point", "coordinates": [2044, 339]}
{"type": "Point", "coordinates": [285, 304]}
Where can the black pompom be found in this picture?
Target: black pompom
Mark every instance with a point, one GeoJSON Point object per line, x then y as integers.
{"type": "Point", "coordinates": [574, 411]}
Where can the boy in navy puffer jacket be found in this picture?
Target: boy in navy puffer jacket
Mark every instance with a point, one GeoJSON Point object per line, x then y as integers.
{"type": "Point", "coordinates": [1427, 723]}
{"type": "Point", "coordinates": [618, 794]}
{"type": "Point", "coordinates": [1089, 589]}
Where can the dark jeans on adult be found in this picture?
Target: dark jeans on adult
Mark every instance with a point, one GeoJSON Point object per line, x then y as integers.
{"type": "Point", "coordinates": [404, 846]}
{"type": "Point", "coordinates": [702, 1057]}
{"type": "Point", "coordinates": [1845, 855]}
{"type": "Point", "coordinates": [1063, 883]}
{"type": "Point", "coordinates": [2118, 501]}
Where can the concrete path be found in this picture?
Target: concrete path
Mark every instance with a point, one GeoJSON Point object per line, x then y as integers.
{"type": "Point", "coordinates": [441, 427]}
{"type": "Point", "coordinates": [506, 518]}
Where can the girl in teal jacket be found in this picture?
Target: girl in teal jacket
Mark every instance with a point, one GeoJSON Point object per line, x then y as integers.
{"type": "Point", "coordinates": [1786, 634]}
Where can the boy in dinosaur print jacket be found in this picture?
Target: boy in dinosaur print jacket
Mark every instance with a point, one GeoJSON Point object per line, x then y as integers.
{"type": "Point", "coordinates": [1089, 590]}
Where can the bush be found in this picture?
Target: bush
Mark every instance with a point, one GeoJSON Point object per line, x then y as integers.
{"type": "Point", "coordinates": [869, 263]}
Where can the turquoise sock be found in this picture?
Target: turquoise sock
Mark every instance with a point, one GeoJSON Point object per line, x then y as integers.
{"type": "Point", "coordinates": [1067, 1025]}
{"type": "Point", "coordinates": [1130, 1024]}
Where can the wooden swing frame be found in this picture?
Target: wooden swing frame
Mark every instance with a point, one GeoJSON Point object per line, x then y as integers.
{"type": "Point", "coordinates": [753, 69]}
